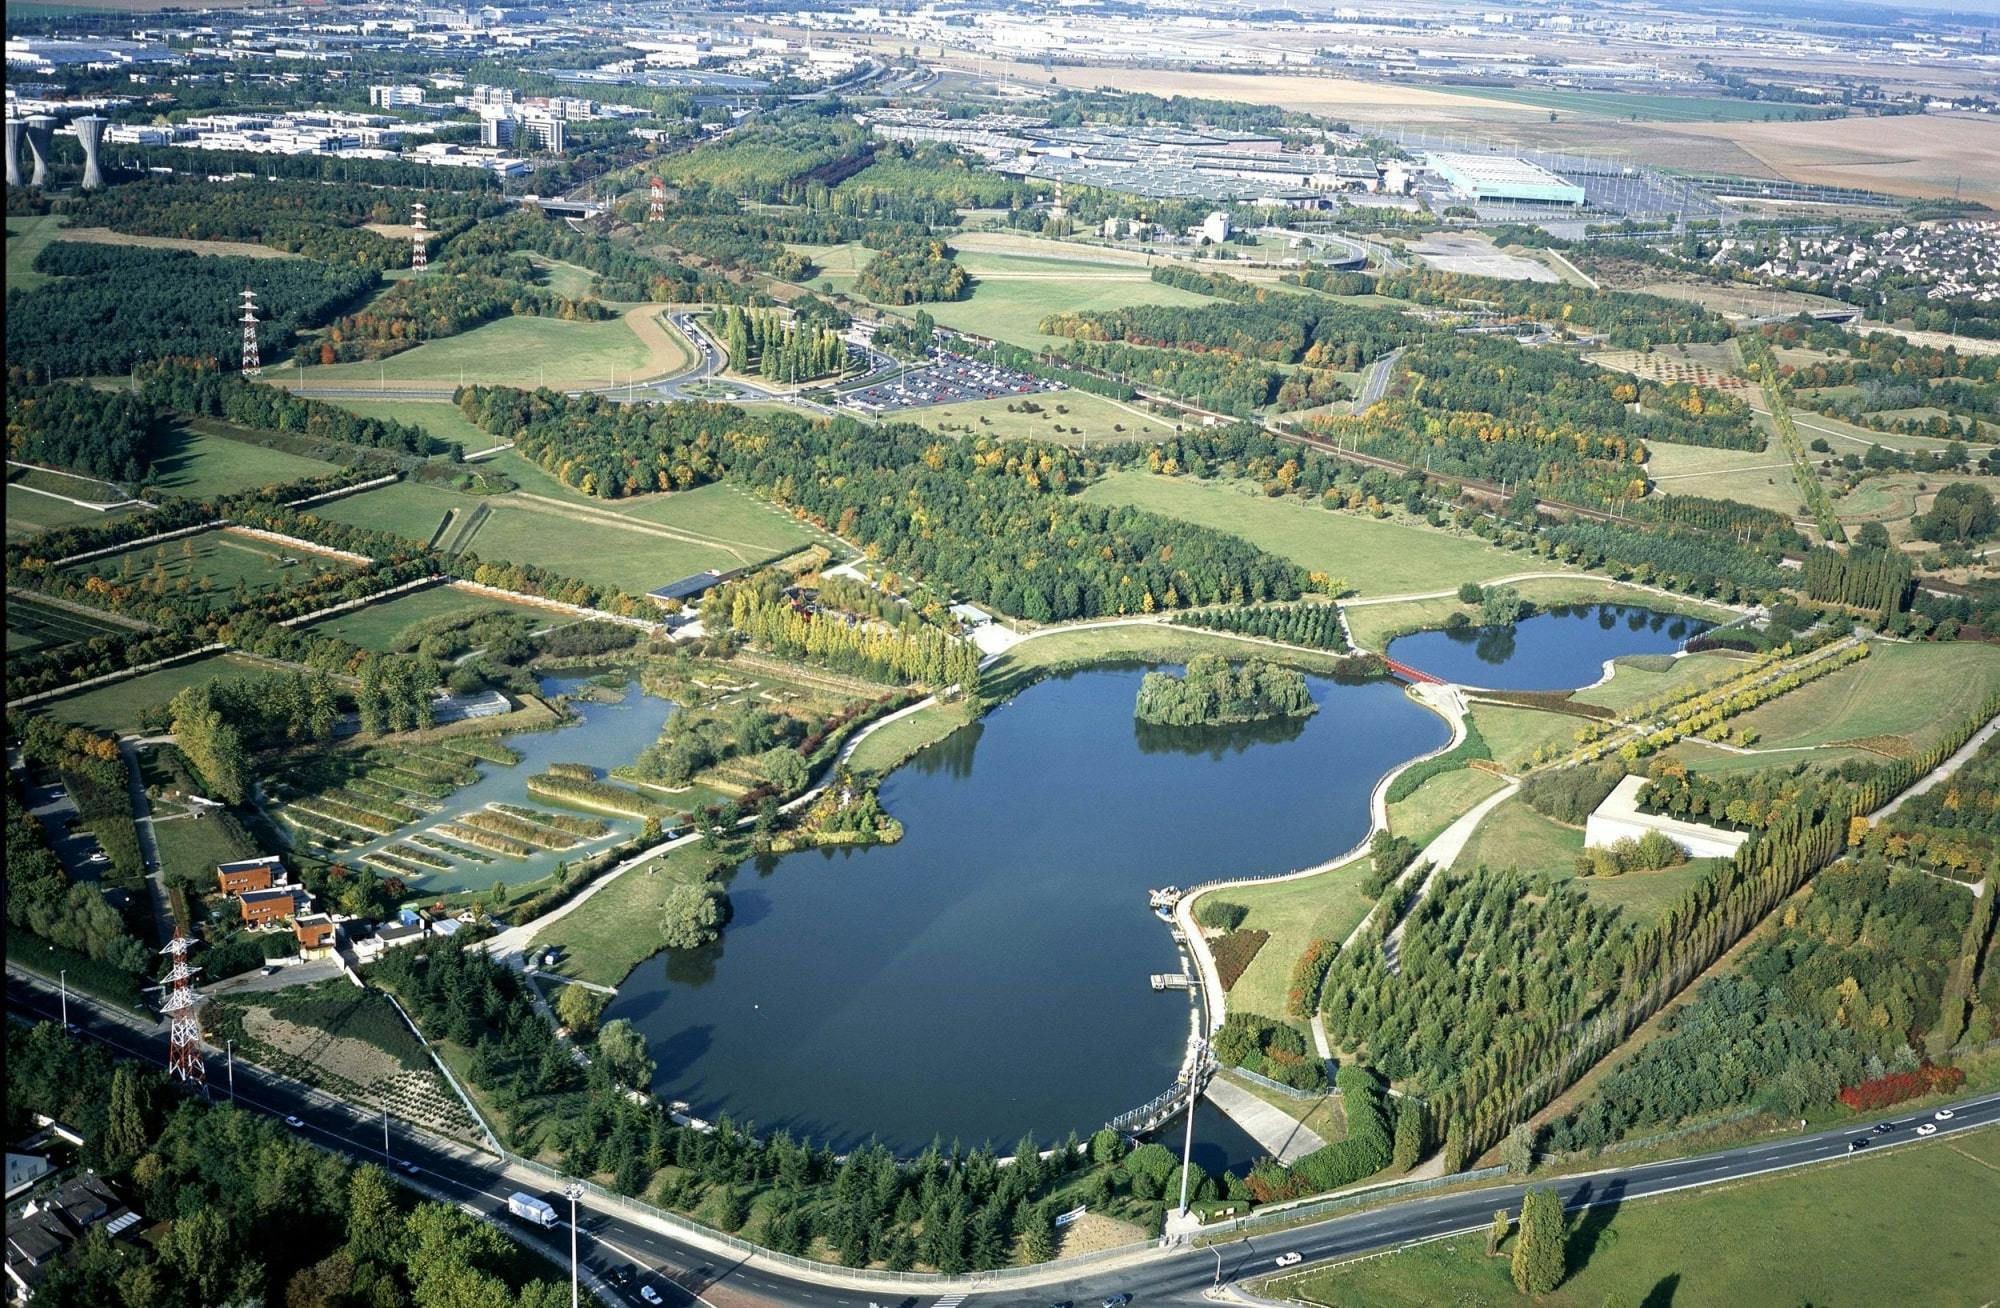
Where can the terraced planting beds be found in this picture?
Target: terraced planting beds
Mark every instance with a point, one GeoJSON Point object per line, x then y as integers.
{"type": "Point", "coordinates": [351, 800]}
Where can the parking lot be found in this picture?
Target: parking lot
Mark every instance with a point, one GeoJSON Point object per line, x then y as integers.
{"type": "Point", "coordinates": [948, 379]}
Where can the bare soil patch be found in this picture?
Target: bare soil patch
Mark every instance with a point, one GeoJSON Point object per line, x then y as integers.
{"type": "Point", "coordinates": [1927, 156]}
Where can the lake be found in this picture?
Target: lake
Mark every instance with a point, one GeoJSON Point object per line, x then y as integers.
{"type": "Point", "coordinates": [987, 976]}
{"type": "Point", "coordinates": [1558, 648]}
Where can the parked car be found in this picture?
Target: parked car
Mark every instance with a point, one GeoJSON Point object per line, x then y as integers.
{"type": "Point", "coordinates": [1928, 1128]}
{"type": "Point", "coordinates": [1292, 1259]}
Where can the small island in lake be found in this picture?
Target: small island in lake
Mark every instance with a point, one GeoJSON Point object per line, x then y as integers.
{"type": "Point", "coordinates": [1215, 693]}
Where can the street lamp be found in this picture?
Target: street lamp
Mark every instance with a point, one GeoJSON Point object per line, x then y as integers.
{"type": "Point", "coordinates": [1197, 1053]}
{"type": "Point", "coordinates": [229, 1057]}
{"type": "Point", "coordinates": [573, 1192]}
{"type": "Point", "coordinates": [62, 983]}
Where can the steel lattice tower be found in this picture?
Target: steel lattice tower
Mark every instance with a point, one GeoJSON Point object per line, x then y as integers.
{"type": "Point", "coordinates": [657, 212]}
{"type": "Point", "coordinates": [419, 238]}
{"type": "Point", "coordinates": [184, 1056]}
{"type": "Point", "coordinates": [252, 365]}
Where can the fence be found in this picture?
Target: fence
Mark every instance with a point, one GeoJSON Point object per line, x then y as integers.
{"type": "Point", "coordinates": [1279, 1087]}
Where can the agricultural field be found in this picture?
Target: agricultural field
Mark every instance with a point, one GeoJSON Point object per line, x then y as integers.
{"type": "Point", "coordinates": [1867, 1231]}
{"type": "Point", "coordinates": [214, 563]}
{"type": "Point", "coordinates": [1764, 478]}
{"type": "Point", "coordinates": [201, 463]}
{"type": "Point", "coordinates": [1953, 154]}
{"type": "Point", "coordinates": [29, 514]}
{"type": "Point", "coordinates": [34, 624]}
{"type": "Point", "coordinates": [1373, 556]}
{"type": "Point", "coordinates": [386, 626]}
{"type": "Point", "coordinates": [1897, 701]}
{"type": "Point", "coordinates": [523, 352]}
{"type": "Point", "coordinates": [1071, 417]}
{"type": "Point", "coordinates": [120, 705]}
{"type": "Point", "coordinates": [1642, 107]}
{"type": "Point", "coordinates": [1711, 365]}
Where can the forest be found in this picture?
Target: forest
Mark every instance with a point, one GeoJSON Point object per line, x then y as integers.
{"type": "Point", "coordinates": [1952, 828]}
{"type": "Point", "coordinates": [108, 434]}
{"type": "Point", "coordinates": [112, 307]}
{"type": "Point", "coordinates": [1317, 626]}
{"type": "Point", "coordinates": [452, 299]}
{"type": "Point", "coordinates": [758, 608]}
{"type": "Point", "coordinates": [1213, 692]}
{"type": "Point", "coordinates": [1631, 320]}
{"type": "Point", "coordinates": [1274, 327]}
{"type": "Point", "coordinates": [912, 267]}
{"type": "Point", "coordinates": [992, 520]}
{"type": "Point", "coordinates": [199, 386]}
{"type": "Point", "coordinates": [220, 1181]}
{"type": "Point", "coordinates": [1874, 580]}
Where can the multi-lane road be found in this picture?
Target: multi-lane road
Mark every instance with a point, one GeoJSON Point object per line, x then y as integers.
{"type": "Point", "coordinates": [684, 1273]}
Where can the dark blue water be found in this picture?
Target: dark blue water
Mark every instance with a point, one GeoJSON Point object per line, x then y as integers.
{"type": "Point", "coordinates": [1559, 648]}
{"type": "Point", "coordinates": [987, 976]}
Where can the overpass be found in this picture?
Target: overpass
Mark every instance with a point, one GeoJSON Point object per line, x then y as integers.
{"type": "Point", "coordinates": [556, 206]}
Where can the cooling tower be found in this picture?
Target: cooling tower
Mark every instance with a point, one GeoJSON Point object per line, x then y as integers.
{"type": "Point", "coordinates": [15, 128]}
{"type": "Point", "coordinates": [41, 129]}
{"type": "Point", "coordinates": [90, 131]}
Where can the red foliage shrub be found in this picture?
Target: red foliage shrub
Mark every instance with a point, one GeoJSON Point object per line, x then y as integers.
{"type": "Point", "coordinates": [1898, 1086]}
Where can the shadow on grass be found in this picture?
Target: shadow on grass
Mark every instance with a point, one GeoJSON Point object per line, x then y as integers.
{"type": "Point", "coordinates": [1599, 1204]}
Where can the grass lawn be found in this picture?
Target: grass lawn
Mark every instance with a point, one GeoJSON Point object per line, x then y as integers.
{"type": "Point", "coordinates": [190, 847]}
{"type": "Point", "coordinates": [1514, 835]}
{"type": "Point", "coordinates": [1900, 699]}
{"type": "Point", "coordinates": [719, 512]}
{"type": "Point", "coordinates": [214, 563]}
{"type": "Point", "coordinates": [1515, 733]}
{"type": "Point", "coordinates": [1631, 681]}
{"type": "Point", "coordinates": [382, 626]}
{"type": "Point", "coordinates": [597, 550]}
{"type": "Point", "coordinates": [1374, 625]}
{"type": "Point", "coordinates": [883, 749]}
{"type": "Point", "coordinates": [1085, 419]}
{"type": "Point", "coordinates": [27, 236]}
{"type": "Point", "coordinates": [1436, 804]}
{"type": "Point", "coordinates": [118, 706]}
{"type": "Point", "coordinates": [29, 514]}
{"type": "Point", "coordinates": [1296, 913]}
{"type": "Point", "coordinates": [1903, 1226]}
{"type": "Point", "coordinates": [35, 625]}
{"type": "Point", "coordinates": [440, 418]}
{"type": "Point", "coordinates": [601, 939]}
{"type": "Point", "coordinates": [410, 509]}
{"type": "Point", "coordinates": [1764, 478]}
{"type": "Point", "coordinates": [1646, 895]}
{"type": "Point", "coordinates": [1012, 293]}
{"type": "Point", "coordinates": [1376, 557]}
{"type": "Point", "coordinates": [192, 462]}
{"type": "Point", "coordinates": [523, 352]}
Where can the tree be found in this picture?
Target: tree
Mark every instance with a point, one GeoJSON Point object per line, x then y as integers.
{"type": "Point", "coordinates": [1496, 1235]}
{"type": "Point", "coordinates": [1500, 606]}
{"type": "Point", "coordinates": [691, 915]}
{"type": "Point", "coordinates": [1409, 1133]}
{"type": "Point", "coordinates": [1538, 1264]}
{"type": "Point", "coordinates": [1107, 1147]}
{"type": "Point", "coordinates": [1518, 1152]}
{"type": "Point", "coordinates": [623, 1052]}
{"type": "Point", "coordinates": [1469, 592]}
{"type": "Point", "coordinates": [578, 1008]}
{"type": "Point", "coordinates": [1454, 1147]}
{"type": "Point", "coordinates": [211, 743]}
{"type": "Point", "coordinates": [372, 1220]}
{"type": "Point", "coordinates": [785, 768]}
{"type": "Point", "coordinates": [125, 1131]}
{"type": "Point", "coordinates": [201, 1249]}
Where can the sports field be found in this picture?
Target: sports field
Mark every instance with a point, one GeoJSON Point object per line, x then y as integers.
{"type": "Point", "coordinates": [210, 563]}
{"type": "Point", "coordinates": [1839, 1235]}
{"type": "Point", "coordinates": [1376, 557]}
{"type": "Point", "coordinates": [119, 705]}
{"type": "Point", "coordinates": [194, 462]}
{"type": "Point", "coordinates": [1897, 701]}
{"type": "Point", "coordinates": [526, 352]}
{"type": "Point", "coordinates": [391, 625]}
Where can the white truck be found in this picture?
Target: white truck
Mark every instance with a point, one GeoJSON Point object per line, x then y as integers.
{"type": "Point", "coordinates": [530, 1209]}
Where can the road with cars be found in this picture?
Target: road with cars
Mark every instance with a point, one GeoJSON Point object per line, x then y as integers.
{"type": "Point", "coordinates": [622, 1257]}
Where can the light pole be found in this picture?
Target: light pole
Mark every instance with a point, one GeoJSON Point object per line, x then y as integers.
{"type": "Point", "coordinates": [229, 1057]}
{"type": "Point", "coordinates": [385, 1136]}
{"type": "Point", "coordinates": [573, 1192]}
{"type": "Point", "coordinates": [1197, 1054]}
{"type": "Point", "coordinates": [1217, 1251]}
{"type": "Point", "coordinates": [62, 983]}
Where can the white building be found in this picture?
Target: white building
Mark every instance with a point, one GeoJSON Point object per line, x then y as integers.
{"type": "Point", "coordinates": [395, 97]}
{"type": "Point", "coordinates": [1618, 818]}
{"type": "Point", "coordinates": [1215, 227]}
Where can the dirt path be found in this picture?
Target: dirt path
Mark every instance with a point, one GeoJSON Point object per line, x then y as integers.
{"type": "Point", "coordinates": [667, 355]}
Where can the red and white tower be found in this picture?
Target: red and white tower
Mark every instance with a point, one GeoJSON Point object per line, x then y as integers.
{"type": "Point", "coordinates": [184, 1056]}
{"type": "Point", "coordinates": [419, 240]}
{"type": "Point", "coordinates": [657, 210]}
{"type": "Point", "coordinates": [252, 366]}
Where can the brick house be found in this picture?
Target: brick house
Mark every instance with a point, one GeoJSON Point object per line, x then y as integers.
{"type": "Point", "coordinates": [316, 933]}
{"type": "Point", "coordinates": [270, 907]}
{"type": "Point", "coordinates": [249, 874]}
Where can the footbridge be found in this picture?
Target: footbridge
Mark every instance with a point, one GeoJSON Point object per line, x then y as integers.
{"type": "Point", "coordinates": [1151, 1116]}
{"type": "Point", "coordinates": [1410, 674]}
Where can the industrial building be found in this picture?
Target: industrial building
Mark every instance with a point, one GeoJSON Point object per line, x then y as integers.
{"type": "Point", "coordinates": [1490, 178]}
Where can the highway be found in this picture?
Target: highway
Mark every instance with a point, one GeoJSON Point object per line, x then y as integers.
{"type": "Point", "coordinates": [686, 1274]}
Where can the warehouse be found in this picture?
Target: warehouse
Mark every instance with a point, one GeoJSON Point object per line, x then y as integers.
{"type": "Point", "coordinates": [1487, 178]}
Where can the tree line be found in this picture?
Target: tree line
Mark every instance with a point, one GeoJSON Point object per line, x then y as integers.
{"type": "Point", "coordinates": [779, 348]}
{"type": "Point", "coordinates": [200, 386]}
{"type": "Point", "coordinates": [453, 298]}
{"type": "Point", "coordinates": [759, 609]}
{"type": "Point", "coordinates": [911, 266]}
{"type": "Point", "coordinates": [1315, 625]}
{"type": "Point", "coordinates": [1874, 580]}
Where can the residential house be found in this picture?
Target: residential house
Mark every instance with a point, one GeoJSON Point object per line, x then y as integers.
{"type": "Point", "coordinates": [249, 874]}
{"type": "Point", "coordinates": [317, 935]}
{"type": "Point", "coordinates": [52, 1222]}
{"type": "Point", "coordinates": [263, 908]}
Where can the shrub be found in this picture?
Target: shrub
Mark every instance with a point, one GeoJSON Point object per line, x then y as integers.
{"type": "Point", "coordinates": [1220, 914]}
{"type": "Point", "coordinates": [1233, 953]}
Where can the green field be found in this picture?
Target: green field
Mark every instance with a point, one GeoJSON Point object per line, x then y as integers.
{"type": "Point", "coordinates": [1633, 680]}
{"type": "Point", "coordinates": [1374, 557]}
{"type": "Point", "coordinates": [1087, 420]}
{"type": "Point", "coordinates": [1901, 699]}
{"type": "Point", "coordinates": [119, 705]}
{"type": "Point", "coordinates": [440, 418]}
{"type": "Point", "coordinates": [603, 938]}
{"type": "Point", "coordinates": [1905, 1226]}
{"type": "Point", "coordinates": [525, 352]}
{"type": "Point", "coordinates": [27, 235]}
{"type": "Point", "coordinates": [382, 626]}
{"type": "Point", "coordinates": [1296, 913]}
{"type": "Point", "coordinates": [1763, 478]}
{"type": "Point", "coordinates": [29, 514]}
{"type": "Point", "coordinates": [191, 462]}
{"type": "Point", "coordinates": [33, 625]}
{"type": "Point", "coordinates": [214, 562]}
{"type": "Point", "coordinates": [1515, 733]}
{"type": "Point", "coordinates": [409, 509]}
{"type": "Point", "coordinates": [595, 551]}
{"type": "Point", "coordinates": [1438, 802]}
{"type": "Point", "coordinates": [718, 512]}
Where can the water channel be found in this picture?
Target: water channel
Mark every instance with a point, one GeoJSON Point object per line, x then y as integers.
{"type": "Point", "coordinates": [1558, 648]}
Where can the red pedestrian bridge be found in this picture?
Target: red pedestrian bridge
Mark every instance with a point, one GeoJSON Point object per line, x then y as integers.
{"type": "Point", "coordinates": [1410, 674]}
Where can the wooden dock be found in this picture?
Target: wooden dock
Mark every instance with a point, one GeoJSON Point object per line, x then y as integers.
{"type": "Point", "coordinates": [1171, 981]}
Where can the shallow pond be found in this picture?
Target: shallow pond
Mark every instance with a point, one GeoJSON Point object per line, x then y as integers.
{"type": "Point", "coordinates": [1558, 648]}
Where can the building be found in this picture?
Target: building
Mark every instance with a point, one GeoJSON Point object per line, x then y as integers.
{"type": "Point", "coordinates": [395, 97]}
{"type": "Point", "coordinates": [1491, 178]}
{"type": "Point", "coordinates": [369, 948]}
{"type": "Point", "coordinates": [689, 589]}
{"type": "Point", "coordinates": [317, 936]}
{"type": "Point", "coordinates": [496, 132]}
{"type": "Point", "coordinates": [54, 1221]}
{"type": "Point", "coordinates": [263, 908]}
{"type": "Point", "coordinates": [1618, 818]}
{"type": "Point", "coordinates": [1215, 228]}
{"type": "Point", "coordinates": [549, 134]}
{"type": "Point", "coordinates": [249, 874]}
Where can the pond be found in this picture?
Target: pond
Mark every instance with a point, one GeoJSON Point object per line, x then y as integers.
{"type": "Point", "coordinates": [988, 976]}
{"type": "Point", "coordinates": [1557, 648]}
{"type": "Point", "coordinates": [605, 733]}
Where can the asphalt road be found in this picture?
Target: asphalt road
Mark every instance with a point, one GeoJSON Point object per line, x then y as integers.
{"type": "Point", "coordinates": [685, 1274]}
